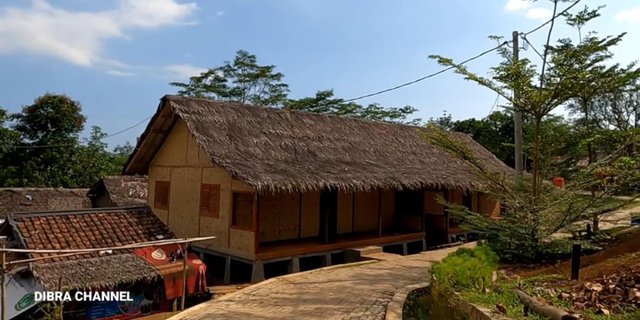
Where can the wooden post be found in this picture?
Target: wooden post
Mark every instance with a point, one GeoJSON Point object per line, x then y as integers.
{"type": "Point", "coordinates": [2, 278]}
{"type": "Point", "coordinates": [575, 261]}
{"type": "Point", "coordinates": [184, 275]}
{"type": "Point", "coordinates": [379, 213]}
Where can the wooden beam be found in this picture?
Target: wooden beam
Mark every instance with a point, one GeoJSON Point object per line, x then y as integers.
{"type": "Point", "coordinates": [295, 247]}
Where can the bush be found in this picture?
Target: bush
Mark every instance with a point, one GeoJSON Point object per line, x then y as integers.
{"type": "Point", "coordinates": [466, 268]}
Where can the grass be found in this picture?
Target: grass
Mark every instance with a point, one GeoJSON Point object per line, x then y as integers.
{"type": "Point", "coordinates": [503, 295]}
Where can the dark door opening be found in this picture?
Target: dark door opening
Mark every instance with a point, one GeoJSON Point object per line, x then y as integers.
{"type": "Point", "coordinates": [409, 210]}
{"type": "Point", "coordinates": [328, 216]}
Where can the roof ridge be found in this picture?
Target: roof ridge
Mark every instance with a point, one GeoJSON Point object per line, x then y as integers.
{"type": "Point", "coordinates": [283, 110]}
{"type": "Point", "coordinates": [16, 215]}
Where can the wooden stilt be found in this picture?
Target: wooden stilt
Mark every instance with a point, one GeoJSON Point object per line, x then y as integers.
{"type": "Point", "coordinates": [326, 260]}
{"type": "Point", "coordinates": [227, 270]}
{"type": "Point", "coordinates": [294, 265]}
{"type": "Point", "coordinates": [257, 272]}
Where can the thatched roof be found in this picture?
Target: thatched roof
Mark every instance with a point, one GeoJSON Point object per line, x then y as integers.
{"type": "Point", "coordinates": [88, 229]}
{"type": "Point", "coordinates": [94, 273]}
{"type": "Point", "coordinates": [41, 199]}
{"type": "Point", "coordinates": [122, 190]}
{"type": "Point", "coordinates": [283, 150]}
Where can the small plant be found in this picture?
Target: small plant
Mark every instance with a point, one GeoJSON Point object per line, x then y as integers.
{"type": "Point", "coordinates": [466, 269]}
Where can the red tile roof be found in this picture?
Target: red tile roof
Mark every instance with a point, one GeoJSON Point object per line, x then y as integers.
{"type": "Point", "coordinates": [93, 228]}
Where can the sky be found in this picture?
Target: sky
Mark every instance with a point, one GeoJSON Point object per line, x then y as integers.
{"type": "Point", "coordinates": [117, 57]}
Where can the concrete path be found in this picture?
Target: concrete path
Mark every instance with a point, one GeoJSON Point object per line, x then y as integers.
{"type": "Point", "coordinates": [360, 291]}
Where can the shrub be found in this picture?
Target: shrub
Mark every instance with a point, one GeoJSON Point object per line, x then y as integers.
{"type": "Point", "coordinates": [466, 268]}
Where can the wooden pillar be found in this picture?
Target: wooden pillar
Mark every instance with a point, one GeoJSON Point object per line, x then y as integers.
{"type": "Point", "coordinates": [326, 260]}
{"type": "Point", "coordinates": [294, 265]}
{"type": "Point", "coordinates": [227, 270]}
{"type": "Point", "coordinates": [257, 271]}
{"type": "Point", "coordinates": [256, 222]}
{"type": "Point", "coordinates": [353, 212]}
{"type": "Point", "coordinates": [300, 217]}
{"type": "Point", "coordinates": [446, 216]}
{"type": "Point", "coordinates": [379, 213]}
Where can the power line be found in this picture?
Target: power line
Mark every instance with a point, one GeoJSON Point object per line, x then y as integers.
{"type": "Point", "coordinates": [552, 18]}
{"type": "Point", "coordinates": [427, 76]}
{"type": "Point", "coordinates": [128, 128]}
{"type": "Point", "coordinates": [71, 145]}
{"type": "Point", "coordinates": [495, 103]}
{"type": "Point", "coordinates": [468, 60]}
{"type": "Point", "coordinates": [524, 37]}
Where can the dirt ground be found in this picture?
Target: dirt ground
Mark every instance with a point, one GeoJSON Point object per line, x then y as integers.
{"type": "Point", "coordinates": [607, 282]}
{"type": "Point", "coordinates": [604, 261]}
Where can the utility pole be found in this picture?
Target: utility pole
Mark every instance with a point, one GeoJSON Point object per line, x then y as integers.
{"type": "Point", "coordinates": [517, 114]}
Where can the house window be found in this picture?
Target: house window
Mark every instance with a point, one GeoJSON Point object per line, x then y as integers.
{"type": "Point", "coordinates": [161, 197]}
{"type": "Point", "coordinates": [242, 210]}
{"type": "Point", "coordinates": [210, 200]}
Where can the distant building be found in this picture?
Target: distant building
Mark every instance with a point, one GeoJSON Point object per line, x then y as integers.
{"type": "Point", "coordinates": [152, 274]}
{"type": "Point", "coordinates": [14, 200]}
{"type": "Point", "coordinates": [119, 191]}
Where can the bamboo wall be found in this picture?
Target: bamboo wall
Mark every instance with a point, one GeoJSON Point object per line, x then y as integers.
{"type": "Point", "coordinates": [181, 161]}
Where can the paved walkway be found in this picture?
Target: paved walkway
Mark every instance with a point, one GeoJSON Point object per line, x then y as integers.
{"type": "Point", "coordinates": [341, 292]}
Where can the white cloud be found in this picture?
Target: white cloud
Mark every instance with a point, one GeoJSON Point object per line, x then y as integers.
{"type": "Point", "coordinates": [539, 14]}
{"type": "Point", "coordinates": [514, 5]}
{"type": "Point", "coordinates": [120, 73]}
{"type": "Point", "coordinates": [182, 71]}
{"type": "Point", "coordinates": [220, 13]}
{"type": "Point", "coordinates": [78, 37]}
{"type": "Point", "coordinates": [629, 15]}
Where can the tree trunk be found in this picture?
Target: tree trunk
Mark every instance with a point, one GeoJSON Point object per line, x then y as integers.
{"type": "Point", "coordinates": [544, 309]}
{"type": "Point", "coordinates": [536, 158]}
{"type": "Point", "coordinates": [595, 219]}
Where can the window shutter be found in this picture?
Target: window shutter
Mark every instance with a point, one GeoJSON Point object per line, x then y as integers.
{"type": "Point", "coordinates": [210, 200]}
{"type": "Point", "coordinates": [161, 195]}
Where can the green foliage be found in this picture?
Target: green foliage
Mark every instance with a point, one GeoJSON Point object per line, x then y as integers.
{"type": "Point", "coordinates": [432, 303]}
{"type": "Point", "coordinates": [560, 151]}
{"type": "Point", "coordinates": [245, 81]}
{"type": "Point", "coordinates": [466, 268]}
{"type": "Point", "coordinates": [52, 120]}
{"type": "Point", "coordinates": [242, 80]}
{"type": "Point", "coordinates": [43, 148]}
{"type": "Point", "coordinates": [93, 161]}
{"type": "Point", "coordinates": [324, 102]}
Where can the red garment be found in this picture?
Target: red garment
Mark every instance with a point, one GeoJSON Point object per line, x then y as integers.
{"type": "Point", "coordinates": [168, 260]}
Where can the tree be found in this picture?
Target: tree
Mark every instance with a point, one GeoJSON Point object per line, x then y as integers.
{"type": "Point", "coordinates": [242, 80]}
{"type": "Point", "coordinates": [121, 155]}
{"type": "Point", "coordinates": [8, 139]}
{"type": "Point", "coordinates": [324, 102]}
{"type": "Point", "coordinates": [245, 81]}
{"type": "Point", "coordinates": [495, 133]}
{"type": "Point", "coordinates": [534, 210]}
{"type": "Point", "coordinates": [596, 77]}
{"type": "Point", "coordinates": [49, 129]}
{"type": "Point", "coordinates": [93, 160]}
